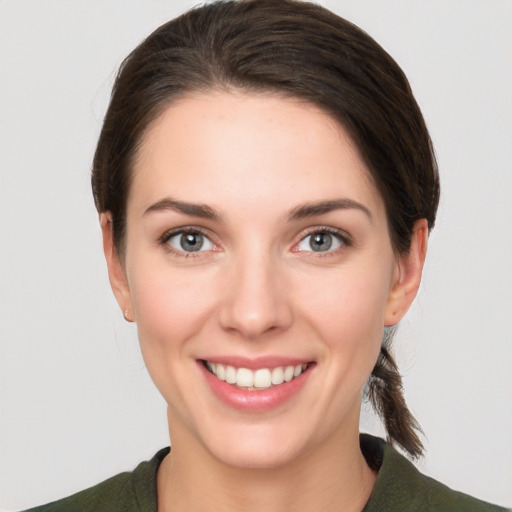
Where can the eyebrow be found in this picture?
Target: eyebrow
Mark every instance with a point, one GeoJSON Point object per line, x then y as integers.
{"type": "Point", "coordinates": [323, 207]}
{"type": "Point", "coordinates": [300, 212]}
{"type": "Point", "coordinates": [196, 210]}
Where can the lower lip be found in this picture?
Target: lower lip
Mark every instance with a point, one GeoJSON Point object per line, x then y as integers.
{"type": "Point", "coordinates": [255, 401]}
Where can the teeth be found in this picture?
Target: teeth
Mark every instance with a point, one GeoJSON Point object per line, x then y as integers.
{"type": "Point", "coordinates": [244, 378]}
{"type": "Point", "coordinates": [262, 378]}
{"type": "Point", "coordinates": [288, 373]}
{"type": "Point", "coordinates": [277, 375]}
{"type": "Point", "coordinates": [230, 375]}
{"type": "Point", "coordinates": [221, 372]}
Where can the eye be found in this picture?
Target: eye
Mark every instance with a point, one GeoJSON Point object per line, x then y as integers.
{"type": "Point", "coordinates": [321, 241]}
{"type": "Point", "coordinates": [189, 241]}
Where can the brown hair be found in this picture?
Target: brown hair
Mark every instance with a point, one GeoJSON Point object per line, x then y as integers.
{"type": "Point", "coordinates": [296, 49]}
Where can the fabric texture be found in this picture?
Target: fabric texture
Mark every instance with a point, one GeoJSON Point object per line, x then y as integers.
{"type": "Point", "coordinates": [400, 487]}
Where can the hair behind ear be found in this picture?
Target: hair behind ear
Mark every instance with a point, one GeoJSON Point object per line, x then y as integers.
{"type": "Point", "coordinates": [386, 395]}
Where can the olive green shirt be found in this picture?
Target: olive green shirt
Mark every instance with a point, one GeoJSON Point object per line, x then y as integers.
{"type": "Point", "coordinates": [399, 487]}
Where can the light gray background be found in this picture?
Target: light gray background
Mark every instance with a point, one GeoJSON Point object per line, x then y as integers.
{"type": "Point", "coordinates": [76, 404]}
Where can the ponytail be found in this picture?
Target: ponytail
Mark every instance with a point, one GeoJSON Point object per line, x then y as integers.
{"type": "Point", "coordinates": [385, 392]}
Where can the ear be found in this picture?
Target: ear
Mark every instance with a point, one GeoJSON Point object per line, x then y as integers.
{"type": "Point", "coordinates": [409, 269]}
{"type": "Point", "coordinates": [116, 271]}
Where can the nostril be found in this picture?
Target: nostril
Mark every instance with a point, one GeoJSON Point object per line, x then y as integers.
{"type": "Point", "coordinates": [253, 314]}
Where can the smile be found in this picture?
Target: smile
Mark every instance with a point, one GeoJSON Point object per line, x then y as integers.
{"type": "Point", "coordinates": [254, 380]}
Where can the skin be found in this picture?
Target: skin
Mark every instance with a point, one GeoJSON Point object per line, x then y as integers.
{"type": "Point", "coordinates": [259, 289]}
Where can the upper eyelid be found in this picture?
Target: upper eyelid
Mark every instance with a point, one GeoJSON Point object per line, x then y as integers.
{"type": "Point", "coordinates": [342, 234]}
{"type": "Point", "coordinates": [343, 237]}
{"type": "Point", "coordinates": [324, 229]}
{"type": "Point", "coordinates": [184, 229]}
{"type": "Point", "coordinates": [163, 241]}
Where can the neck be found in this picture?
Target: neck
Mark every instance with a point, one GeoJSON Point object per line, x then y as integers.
{"type": "Point", "coordinates": [331, 477]}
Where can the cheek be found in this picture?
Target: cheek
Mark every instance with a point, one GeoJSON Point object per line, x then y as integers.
{"type": "Point", "coordinates": [170, 305]}
{"type": "Point", "coordinates": [347, 310]}
{"type": "Point", "coordinates": [351, 299]}
{"type": "Point", "coordinates": [171, 309]}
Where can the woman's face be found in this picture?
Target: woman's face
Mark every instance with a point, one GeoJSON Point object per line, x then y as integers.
{"type": "Point", "coordinates": [256, 242]}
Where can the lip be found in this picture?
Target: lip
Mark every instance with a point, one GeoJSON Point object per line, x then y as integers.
{"type": "Point", "coordinates": [260, 400]}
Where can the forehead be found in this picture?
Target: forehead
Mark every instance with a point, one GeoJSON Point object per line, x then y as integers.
{"type": "Point", "coordinates": [211, 147]}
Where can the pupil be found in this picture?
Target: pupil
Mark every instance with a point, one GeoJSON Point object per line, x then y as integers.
{"type": "Point", "coordinates": [321, 242]}
{"type": "Point", "coordinates": [191, 242]}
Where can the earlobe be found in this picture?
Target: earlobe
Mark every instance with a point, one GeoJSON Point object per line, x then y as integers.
{"type": "Point", "coordinates": [407, 282]}
{"type": "Point", "coordinates": [116, 270]}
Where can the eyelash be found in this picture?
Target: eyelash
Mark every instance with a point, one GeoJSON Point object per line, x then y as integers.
{"type": "Point", "coordinates": [164, 241]}
{"type": "Point", "coordinates": [341, 236]}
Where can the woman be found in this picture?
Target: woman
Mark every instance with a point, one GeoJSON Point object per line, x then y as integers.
{"type": "Point", "coordinates": [266, 186]}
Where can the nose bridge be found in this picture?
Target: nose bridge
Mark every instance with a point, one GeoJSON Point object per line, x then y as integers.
{"type": "Point", "coordinates": [255, 301]}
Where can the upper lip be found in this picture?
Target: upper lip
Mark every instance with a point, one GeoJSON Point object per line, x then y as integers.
{"type": "Point", "coordinates": [257, 362]}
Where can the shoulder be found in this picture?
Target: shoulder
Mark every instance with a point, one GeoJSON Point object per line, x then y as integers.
{"type": "Point", "coordinates": [400, 486]}
{"type": "Point", "coordinates": [98, 498]}
{"type": "Point", "coordinates": [133, 491]}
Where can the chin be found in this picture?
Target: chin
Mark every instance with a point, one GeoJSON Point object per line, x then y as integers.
{"type": "Point", "coordinates": [244, 455]}
{"type": "Point", "coordinates": [255, 446]}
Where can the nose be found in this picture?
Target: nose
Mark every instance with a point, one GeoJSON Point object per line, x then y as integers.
{"type": "Point", "coordinates": [255, 300]}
